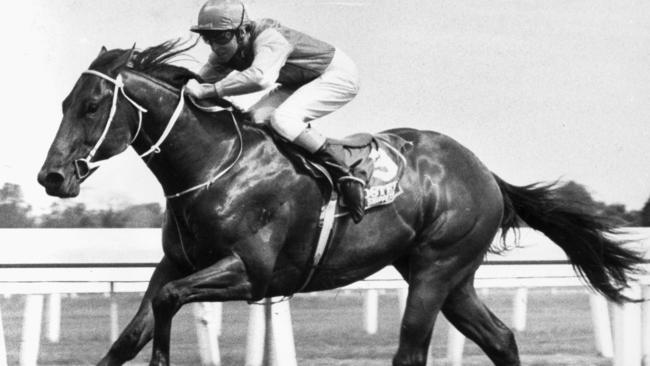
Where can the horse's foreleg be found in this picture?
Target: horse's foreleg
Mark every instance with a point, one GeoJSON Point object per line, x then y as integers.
{"type": "Point", "coordinates": [139, 331]}
{"type": "Point", "coordinates": [225, 280]}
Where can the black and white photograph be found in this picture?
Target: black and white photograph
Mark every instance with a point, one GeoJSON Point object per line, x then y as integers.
{"type": "Point", "coordinates": [325, 183]}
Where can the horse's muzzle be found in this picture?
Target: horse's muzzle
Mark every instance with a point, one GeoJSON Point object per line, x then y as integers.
{"type": "Point", "coordinates": [54, 182]}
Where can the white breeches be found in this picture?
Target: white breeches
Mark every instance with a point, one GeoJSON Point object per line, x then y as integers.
{"type": "Point", "coordinates": [289, 111]}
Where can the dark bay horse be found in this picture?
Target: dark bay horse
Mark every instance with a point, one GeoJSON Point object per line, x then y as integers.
{"type": "Point", "coordinates": [241, 219]}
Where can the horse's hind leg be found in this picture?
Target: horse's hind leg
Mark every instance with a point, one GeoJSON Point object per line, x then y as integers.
{"type": "Point", "coordinates": [471, 317]}
{"type": "Point", "coordinates": [434, 269]}
{"type": "Point", "coordinates": [428, 288]}
{"type": "Point", "coordinates": [422, 307]}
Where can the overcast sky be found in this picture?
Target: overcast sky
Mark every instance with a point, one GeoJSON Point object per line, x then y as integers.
{"type": "Point", "coordinates": [537, 89]}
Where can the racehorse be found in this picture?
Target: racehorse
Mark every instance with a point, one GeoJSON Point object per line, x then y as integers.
{"type": "Point", "coordinates": [241, 218]}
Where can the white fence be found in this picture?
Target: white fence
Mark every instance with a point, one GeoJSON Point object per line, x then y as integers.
{"type": "Point", "coordinates": [57, 261]}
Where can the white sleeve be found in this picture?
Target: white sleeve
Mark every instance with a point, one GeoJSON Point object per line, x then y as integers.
{"type": "Point", "coordinates": [212, 72]}
{"type": "Point", "coordinates": [271, 51]}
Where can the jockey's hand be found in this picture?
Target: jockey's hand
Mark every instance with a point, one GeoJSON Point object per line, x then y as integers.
{"type": "Point", "coordinates": [200, 91]}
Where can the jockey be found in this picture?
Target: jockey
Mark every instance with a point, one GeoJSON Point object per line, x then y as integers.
{"type": "Point", "coordinates": [314, 78]}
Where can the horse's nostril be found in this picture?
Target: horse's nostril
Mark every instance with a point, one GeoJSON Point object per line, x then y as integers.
{"type": "Point", "coordinates": [53, 179]}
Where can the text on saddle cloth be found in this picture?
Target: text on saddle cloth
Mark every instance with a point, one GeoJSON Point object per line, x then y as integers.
{"type": "Point", "coordinates": [385, 164]}
{"type": "Point", "coordinates": [383, 187]}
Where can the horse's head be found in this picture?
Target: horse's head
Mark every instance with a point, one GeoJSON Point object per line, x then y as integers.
{"type": "Point", "coordinates": [91, 110]}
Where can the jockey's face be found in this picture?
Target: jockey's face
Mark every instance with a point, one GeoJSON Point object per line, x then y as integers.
{"type": "Point", "coordinates": [224, 44]}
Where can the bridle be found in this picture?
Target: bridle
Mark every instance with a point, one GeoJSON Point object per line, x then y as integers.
{"type": "Point", "coordinates": [84, 166]}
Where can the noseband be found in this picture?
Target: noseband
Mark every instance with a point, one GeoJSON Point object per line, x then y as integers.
{"type": "Point", "coordinates": [84, 166]}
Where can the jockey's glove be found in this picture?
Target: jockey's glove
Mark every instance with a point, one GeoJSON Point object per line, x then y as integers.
{"type": "Point", "coordinates": [200, 91]}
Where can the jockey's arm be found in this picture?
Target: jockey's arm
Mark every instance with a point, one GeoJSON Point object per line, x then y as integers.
{"type": "Point", "coordinates": [271, 51]}
{"type": "Point", "coordinates": [213, 72]}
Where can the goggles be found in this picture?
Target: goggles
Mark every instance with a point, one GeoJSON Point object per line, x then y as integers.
{"type": "Point", "coordinates": [219, 37]}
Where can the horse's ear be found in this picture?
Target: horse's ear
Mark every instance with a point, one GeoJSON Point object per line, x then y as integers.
{"type": "Point", "coordinates": [102, 51]}
{"type": "Point", "coordinates": [129, 62]}
{"type": "Point", "coordinates": [125, 59]}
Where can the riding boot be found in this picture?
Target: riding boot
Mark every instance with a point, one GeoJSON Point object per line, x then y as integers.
{"type": "Point", "coordinates": [351, 187]}
{"type": "Point", "coordinates": [333, 157]}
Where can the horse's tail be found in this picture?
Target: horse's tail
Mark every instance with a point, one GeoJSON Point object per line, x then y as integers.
{"type": "Point", "coordinates": [585, 237]}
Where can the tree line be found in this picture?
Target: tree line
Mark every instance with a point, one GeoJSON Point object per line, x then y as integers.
{"type": "Point", "coordinates": [16, 213]}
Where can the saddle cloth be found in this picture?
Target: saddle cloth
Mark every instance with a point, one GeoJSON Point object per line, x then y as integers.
{"type": "Point", "coordinates": [378, 159]}
{"type": "Point", "coordinates": [380, 163]}
{"type": "Point", "coordinates": [388, 165]}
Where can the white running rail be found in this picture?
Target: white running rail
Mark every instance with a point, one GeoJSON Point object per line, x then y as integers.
{"type": "Point", "coordinates": [51, 262]}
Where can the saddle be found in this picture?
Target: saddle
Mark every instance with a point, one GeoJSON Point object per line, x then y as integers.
{"type": "Point", "coordinates": [377, 159]}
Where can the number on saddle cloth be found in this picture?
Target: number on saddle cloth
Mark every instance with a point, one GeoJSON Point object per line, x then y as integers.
{"type": "Point", "coordinates": [388, 165]}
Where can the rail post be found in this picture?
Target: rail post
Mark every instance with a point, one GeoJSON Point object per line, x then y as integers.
{"type": "Point", "coordinates": [645, 327]}
{"type": "Point", "coordinates": [207, 319]}
{"type": "Point", "coordinates": [255, 336]}
{"type": "Point", "coordinates": [270, 339]}
{"type": "Point", "coordinates": [114, 319]}
{"type": "Point", "coordinates": [455, 346]}
{"type": "Point", "coordinates": [54, 317]}
{"type": "Point", "coordinates": [627, 330]}
{"type": "Point", "coordinates": [519, 308]}
{"type": "Point", "coordinates": [370, 311]}
{"type": "Point", "coordinates": [602, 326]}
{"type": "Point", "coordinates": [3, 346]}
{"type": "Point", "coordinates": [31, 335]}
{"type": "Point", "coordinates": [280, 336]}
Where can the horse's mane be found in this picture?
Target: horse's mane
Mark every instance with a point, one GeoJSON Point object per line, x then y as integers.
{"type": "Point", "coordinates": [156, 62]}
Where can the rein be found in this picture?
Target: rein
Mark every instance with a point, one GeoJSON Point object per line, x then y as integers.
{"type": "Point", "coordinates": [207, 183]}
{"type": "Point", "coordinates": [84, 166]}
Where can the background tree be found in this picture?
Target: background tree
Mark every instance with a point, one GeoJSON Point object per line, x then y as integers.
{"type": "Point", "coordinates": [62, 216]}
{"type": "Point", "coordinates": [644, 215]}
{"type": "Point", "coordinates": [143, 215]}
{"type": "Point", "coordinates": [140, 215]}
{"type": "Point", "coordinates": [575, 192]}
{"type": "Point", "coordinates": [14, 212]}
{"type": "Point", "coordinates": [578, 193]}
{"type": "Point", "coordinates": [619, 214]}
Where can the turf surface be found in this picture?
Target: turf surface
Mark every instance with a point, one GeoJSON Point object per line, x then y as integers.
{"type": "Point", "coordinates": [328, 330]}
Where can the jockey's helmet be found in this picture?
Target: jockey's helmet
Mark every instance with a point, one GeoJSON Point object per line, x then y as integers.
{"type": "Point", "coordinates": [219, 15]}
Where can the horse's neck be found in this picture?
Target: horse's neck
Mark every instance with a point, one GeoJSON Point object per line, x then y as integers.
{"type": "Point", "coordinates": [192, 151]}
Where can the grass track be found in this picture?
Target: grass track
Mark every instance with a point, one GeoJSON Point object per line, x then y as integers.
{"type": "Point", "coordinates": [327, 328]}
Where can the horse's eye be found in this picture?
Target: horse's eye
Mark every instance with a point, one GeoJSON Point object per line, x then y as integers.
{"type": "Point", "coordinates": [92, 107]}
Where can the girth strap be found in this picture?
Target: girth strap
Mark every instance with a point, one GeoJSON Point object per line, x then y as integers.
{"type": "Point", "coordinates": [325, 225]}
